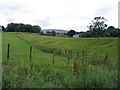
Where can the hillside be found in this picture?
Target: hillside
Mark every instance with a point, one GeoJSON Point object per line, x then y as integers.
{"type": "Point", "coordinates": [91, 45]}
{"type": "Point", "coordinates": [89, 71]}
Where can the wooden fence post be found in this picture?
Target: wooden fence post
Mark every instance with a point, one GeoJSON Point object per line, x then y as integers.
{"type": "Point", "coordinates": [60, 52]}
{"type": "Point", "coordinates": [106, 58]}
{"type": "Point", "coordinates": [30, 53]}
{"type": "Point", "coordinates": [65, 52]}
{"type": "Point", "coordinates": [53, 61]}
{"type": "Point", "coordinates": [71, 53]}
{"type": "Point", "coordinates": [77, 54]}
{"type": "Point", "coordinates": [68, 56]}
{"type": "Point", "coordinates": [86, 54]}
{"type": "Point", "coordinates": [8, 51]}
{"type": "Point", "coordinates": [83, 56]}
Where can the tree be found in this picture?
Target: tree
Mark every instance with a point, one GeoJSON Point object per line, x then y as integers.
{"type": "Point", "coordinates": [53, 33]}
{"type": "Point", "coordinates": [36, 29]}
{"type": "Point", "coordinates": [20, 27]}
{"type": "Point", "coordinates": [118, 32]}
{"type": "Point", "coordinates": [98, 25]}
{"type": "Point", "coordinates": [10, 27]}
{"type": "Point", "coordinates": [28, 28]}
{"type": "Point", "coordinates": [112, 31]}
{"type": "Point", "coordinates": [3, 28]}
{"type": "Point", "coordinates": [48, 32]}
{"type": "Point", "coordinates": [71, 33]}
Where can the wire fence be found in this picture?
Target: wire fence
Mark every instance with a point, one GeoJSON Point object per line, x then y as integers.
{"type": "Point", "coordinates": [67, 53]}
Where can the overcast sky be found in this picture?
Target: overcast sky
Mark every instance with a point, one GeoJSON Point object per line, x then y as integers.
{"type": "Point", "coordinates": [58, 14]}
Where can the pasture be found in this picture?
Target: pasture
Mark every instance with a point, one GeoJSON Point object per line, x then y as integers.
{"type": "Point", "coordinates": [97, 69]}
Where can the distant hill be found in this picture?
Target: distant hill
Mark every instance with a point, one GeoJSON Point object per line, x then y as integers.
{"type": "Point", "coordinates": [56, 30]}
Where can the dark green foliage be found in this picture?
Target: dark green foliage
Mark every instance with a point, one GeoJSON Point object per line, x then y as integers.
{"type": "Point", "coordinates": [20, 27]}
{"type": "Point", "coordinates": [3, 28]}
{"type": "Point", "coordinates": [11, 27]}
{"type": "Point", "coordinates": [109, 32]}
{"type": "Point", "coordinates": [71, 33]}
{"type": "Point", "coordinates": [98, 28]}
{"type": "Point", "coordinates": [36, 28]}
{"type": "Point", "coordinates": [112, 31]}
{"type": "Point", "coordinates": [53, 33]}
{"type": "Point", "coordinates": [98, 25]}
{"type": "Point", "coordinates": [28, 28]}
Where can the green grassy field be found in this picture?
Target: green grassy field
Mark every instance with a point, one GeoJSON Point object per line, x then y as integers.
{"type": "Point", "coordinates": [89, 72]}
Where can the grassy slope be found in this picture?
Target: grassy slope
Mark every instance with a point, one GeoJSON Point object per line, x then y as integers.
{"type": "Point", "coordinates": [16, 70]}
{"type": "Point", "coordinates": [91, 45]}
{"type": "Point", "coordinates": [20, 72]}
{"type": "Point", "coordinates": [20, 48]}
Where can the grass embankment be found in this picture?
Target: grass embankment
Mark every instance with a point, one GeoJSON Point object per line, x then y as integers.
{"type": "Point", "coordinates": [18, 71]}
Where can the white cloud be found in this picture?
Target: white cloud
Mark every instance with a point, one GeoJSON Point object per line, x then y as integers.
{"type": "Point", "coordinates": [59, 14]}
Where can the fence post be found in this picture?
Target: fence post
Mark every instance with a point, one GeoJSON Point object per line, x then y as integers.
{"type": "Point", "coordinates": [68, 56]}
{"type": "Point", "coordinates": [65, 52]}
{"type": "Point", "coordinates": [106, 58]}
{"type": "Point", "coordinates": [77, 54]}
{"type": "Point", "coordinates": [83, 56]}
{"type": "Point", "coordinates": [60, 52]}
{"type": "Point", "coordinates": [86, 53]}
{"type": "Point", "coordinates": [8, 51]}
{"type": "Point", "coordinates": [30, 53]}
{"type": "Point", "coordinates": [71, 53]}
{"type": "Point", "coordinates": [53, 61]}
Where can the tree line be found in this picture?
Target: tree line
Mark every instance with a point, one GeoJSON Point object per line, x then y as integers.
{"type": "Point", "coordinates": [109, 32]}
{"type": "Point", "coordinates": [20, 27]}
{"type": "Point", "coordinates": [98, 28]}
